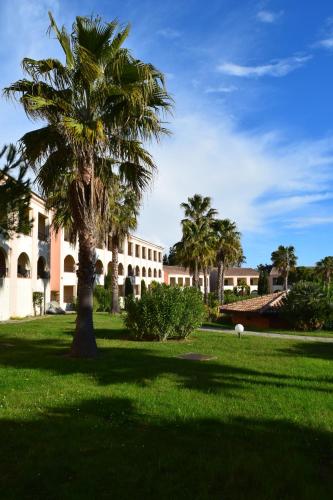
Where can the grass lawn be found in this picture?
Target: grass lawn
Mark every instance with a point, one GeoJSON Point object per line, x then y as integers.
{"type": "Point", "coordinates": [139, 423]}
{"type": "Point", "coordinates": [227, 326]}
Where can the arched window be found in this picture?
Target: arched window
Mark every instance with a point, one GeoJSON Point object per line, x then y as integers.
{"type": "Point", "coordinates": [137, 271]}
{"type": "Point", "coordinates": [41, 268]}
{"type": "Point", "coordinates": [3, 262]}
{"type": "Point", "coordinates": [160, 273]}
{"type": "Point", "coordinates": [149, 272]}
{"type": "Point", "coordinates": [155, 273]}
{"type": "Point", "coordinates": [99, 267]}
{"type": "Point", "coordinates": [129, 270]}
{"type": "Point", "coordinates": [109, 267]}
{"type": "Point", "coordinates": [23, 266]}
{"type": "Point", "coordinates": [120, 269]}
{"type": "Point", "coordinates": [69, 264]}
{"type": "Point", "coordinates": [143, 272]}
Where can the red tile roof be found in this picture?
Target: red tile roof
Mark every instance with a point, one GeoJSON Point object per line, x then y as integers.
{"type": "Point", "coordinates": [265, 303]}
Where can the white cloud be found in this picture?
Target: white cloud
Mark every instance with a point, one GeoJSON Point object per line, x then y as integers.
{"type": "Point", "coordinates": [169, 33]}
{"type": "Point", "coordinates": [255, 179]}
{"type": "Point", "coordinates": [327, 43]}
{"type": "Point", "coordinates": [304, 222]}
{"type": "Point", "coordinates": [277, 68]}
{"type": "Point", "coordinates": [268, 16]}
{"type": "Point", "coordinates": [227, 89]}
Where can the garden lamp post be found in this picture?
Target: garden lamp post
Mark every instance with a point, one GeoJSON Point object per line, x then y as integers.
{"type": "Point", "coordinates": [239, 329]}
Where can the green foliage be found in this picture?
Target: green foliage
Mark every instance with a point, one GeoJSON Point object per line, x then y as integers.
{"type": "Point", "coordinates": [242, 288]}
{"type": "Point", "coordinates": [143, 287]}
{"type": "Point", "coordinates": [14, 194]}
{"type": "Point", "coordinates": [165, 312]}
{"type": "Point", "coordinates": [128, 287]}
{"type": "Point", "coordinates": [263, 281]}
{"type": "Point", "coordinates": [108, 281]}
{"type": "Point", "coordinates": [212, 307]}
{"type": "Point", "coordinates": [102, 299]}
{"type": "Point", "coordinates": [307, 306]}
{"type": "Point", "coordinates": [37, 301]}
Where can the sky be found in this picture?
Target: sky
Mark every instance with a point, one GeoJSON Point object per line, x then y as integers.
{"type": "Point", "coordinates": [252, 125]}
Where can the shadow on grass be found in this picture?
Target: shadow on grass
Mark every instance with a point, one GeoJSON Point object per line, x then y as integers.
{"type": "Point", "coordinates": [310, 350]}
{"type": "Point", "coordinates": [140, 365]}
{"type": "Point", "coordinates": [104, 448]}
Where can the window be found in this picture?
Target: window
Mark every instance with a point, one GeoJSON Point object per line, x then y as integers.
{"type": "Point", "coordinates": [143, 272]}
{"type": "Point", "coordinates": [99, 267]}
{"type": "Point", "coordinates": [155, 255]}
{"type": "Point", "coordinates": [23, 266]}
{"type": "Point", "coordinates": [129, 270]}
{"type": "Point", "coordinates": [228, 282]}
{"type": "Point", "coordinates": [41, 268]}
{"type": "Point", "coordinates": [187, 281]}
{"type": "Point", "coordinates": [253, 281]}
{"type": "Point", "coordinates": [137, 271]}
{"type": "Point", "coordinates": [69, 264]}
{"type": "Point", "coordinates": [160, 273]}
{"type": "Point", "coordinates": [155, 273]}
{"type": "Point", "coordinates": [149, 273]}
{"type": "Point", "coordinates": [172, 281]}
{"type": "Point", "coordinates": [68, 294]}
{"type": "Point", "coordinates": [120, 269]}
{"type": "Point", "coordinates": [129, 248]}
{"type": "Point", "coordinates": [137, 251]}
{"type": "Point", "coordinates": [149, 253]}
{"type": "Point", "coordinates": [180, 281]}
{"type": "Point", "coordinates": [143, 252]}
{"type": "Point", "coordinates": [200, 282]}
{"type": "Point", "coordinates": [241, 282]}
{"type": "Point", "coordinates": [159, 256]}
{"type": "Point", "coordinates": [42, 227]}
{"type": "Point", "coordinates": [3, 267]}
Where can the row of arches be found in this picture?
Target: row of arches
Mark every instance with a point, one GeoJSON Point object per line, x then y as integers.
{"type": "Point", "coordinates": [23, 266]}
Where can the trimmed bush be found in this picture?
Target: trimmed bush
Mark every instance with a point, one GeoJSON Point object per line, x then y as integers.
{"type": "Point", "coordinates": [128, 287]}
{"type": "Point", "coordinates": [165, 312]}
{"type": "Point", "coordinates": [102, 299]}
{"type": "Point", "coordinates": [307, 306]}
{"type": "Point", "coordinates": [143, 287]}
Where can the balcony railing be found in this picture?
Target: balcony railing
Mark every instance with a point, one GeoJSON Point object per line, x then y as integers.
{"type": "Point", "coordinates": [24, 273]}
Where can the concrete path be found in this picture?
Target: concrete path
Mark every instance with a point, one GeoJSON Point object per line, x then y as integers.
{"type": "Point", "coordinates": [272, 335]}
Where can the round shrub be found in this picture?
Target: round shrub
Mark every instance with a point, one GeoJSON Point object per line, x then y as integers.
{"type": "Point", "coordinates": [165, 312]}
{"type": "Point", "coordinates": [306, 306]}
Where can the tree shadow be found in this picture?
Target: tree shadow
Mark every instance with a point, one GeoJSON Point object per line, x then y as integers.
{"type": "Point", "coordinates": [104, 448]}
{"type": "Point", "coordinates": [321, 350]}
{"type": "Point", "coordinates": [140, 365]}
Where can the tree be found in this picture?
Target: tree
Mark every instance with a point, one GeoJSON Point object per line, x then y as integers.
{"type": "Point", "coordinates": [325, 268]}
{"type": "Point", "coordinates": [98, 107]}
{"type": "Point", "coordinates": [171, 259]}
{"type": "Point", "coordinates": [196, 227]}
{"type": "Point", "coordinates": [284, 260]}
{"type": "Point", "coordinates": [124, 206]}
{"type": "Point", "coordinates": [15, 194]}
{"type": "Point", "coordinates": [143, 287]}
{"type": "Point", "coordinates": [228, 251]}
{"type": "Point", "coordinates": [128, 287]}
{"type": "Point", "coordinates": [263, 283]}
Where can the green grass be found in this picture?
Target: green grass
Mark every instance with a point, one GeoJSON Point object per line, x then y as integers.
{"type": "Point", "coordinates": [220, 325]}
{"type": "Point", "coordinates": [139, 423]}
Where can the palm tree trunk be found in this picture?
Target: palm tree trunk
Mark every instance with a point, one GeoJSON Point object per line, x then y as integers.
{"type": "Point", "coordinates": [205, 285]}
{"type": "Point", "coordinates": [219, 282]}
{"type": "Point", "coordinates": [84, 342]}
{"type": "Point", "coordinates": [196, 275]}
{"type": "Point", "coordinates": [222, 284]}
{"type": "Point", "coordinates": [115, 309]}
{"type": "Point", "coordinates": [286, 282]}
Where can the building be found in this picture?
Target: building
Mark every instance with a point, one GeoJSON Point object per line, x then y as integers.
{"type": "Point", "coordinates": [177, 275]}
{"type": "Point", "coordinates": [275, 281]}
{"type": "Point", "coordinates": [258, 312]}
{"type": "Point", "coordinates": [236, 276]}
{"type": "Point", "coordinates": [46, 262]}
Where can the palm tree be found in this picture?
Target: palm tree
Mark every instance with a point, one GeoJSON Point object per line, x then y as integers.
{"type": "Point", "coordinates": [98, 106]}
{"type": "Point", "coordinates": [15, 194]}
{"type": "Point", "coordinates": [284, 260]}
{"type": "Point", "coordinates": [228, 249]}
{"type": "Point", "coordinates": [196, 227]}
{"type": "Point", "coordinates": [325, 268]}
{"type": "Point", "coordinates": [124, 207]}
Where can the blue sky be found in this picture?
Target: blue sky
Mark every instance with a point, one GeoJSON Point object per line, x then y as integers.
{"type": "Point", "coordinates": [253, 120]}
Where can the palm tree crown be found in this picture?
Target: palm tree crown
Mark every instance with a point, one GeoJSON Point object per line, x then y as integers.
{"type": "Point", "coordinates": [284, 260]}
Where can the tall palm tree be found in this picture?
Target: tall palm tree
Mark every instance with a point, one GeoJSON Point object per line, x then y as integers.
{"type": "Point", "coordinates": [229, 250]}
{"type": "Point", "coordinates": [98, 106]}
{"type": "Point", "coordinates": [284, 260]}
{"type": "Point", "coordinates": [196, 226]}
{"type": "Point", "coordinates": [124, 207]}
{"type": "Point", "coordinates": [325, 269]}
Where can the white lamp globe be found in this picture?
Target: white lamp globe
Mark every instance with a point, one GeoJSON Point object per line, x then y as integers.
{"type": "Point", "coordinates": [239, 329]}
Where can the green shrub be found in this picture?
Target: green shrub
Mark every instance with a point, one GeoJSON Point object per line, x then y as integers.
{"type": "Point", "coordinates": [108, 281]}
{"type": "Point", "coordinates": [307, 306]}
{"type": "Point", "coordinates": [143, 287]}
{"type": "Point", "coordinates": [212, 307]}
{"type": "Point", "coordinates": [128, 287]}
{"type": "Point", "coordinates": [102, 299]}
{"type": "Point", "coordinates": [165, 312]}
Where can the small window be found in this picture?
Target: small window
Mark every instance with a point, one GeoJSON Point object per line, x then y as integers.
{"type": "Point", "coordinates": [137, 251]}
{"type": "Point", "coordinates": [172, 281]}
{"type": "Point", "coordinates": [155, 273]}
{"type": "Point", "coordinates": [160, 273]}
{"type": "Point", "coordinates": [143, 272]}
{"type": "Point", "coordinates": [120, 269]}
{"type": "Point", "coordinates": [69, 264]}
{"type": "Point", "coordinates": [149, 254]}
{"type": "Point", "coordinates": [23, 266]}
{"type": "Point", "coordinates": [129, 270]}
{"type": "Point", "coordinates": [99, 267]}
{"type": "Point", "coordinates": [149, 273]}
{"type": "Point", "coordinates": [143, 252]}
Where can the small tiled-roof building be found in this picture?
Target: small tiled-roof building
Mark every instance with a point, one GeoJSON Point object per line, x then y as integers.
{"type": "Point", "coordinates": [259, 312]}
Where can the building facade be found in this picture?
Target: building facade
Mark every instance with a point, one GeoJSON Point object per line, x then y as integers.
{"type": "Point", "coordinates": [236, 277]}
{"type": "Point", "coordinates": [179, 276]}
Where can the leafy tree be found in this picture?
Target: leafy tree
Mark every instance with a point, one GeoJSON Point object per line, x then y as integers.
{"type": "Point", "coordinates": [284, 260]}
{"type": "Point", "coordinates": [15, 194]}
{"type": "Point", "coordinates": [128, 287]}
{"type": "Point", "coordinates": [108, 281]}
{"type": "Point", "coordinates": [263, 280]}
{"type": "Point", "coordinates": [303, 273]}
{"type": "Point", "coordinates": [228, 250]}
{"type": "Point", "coordinates": [325, 268]}
{"type": "Point", "coordinates": [171, 259]}
{"type": "Point", "coordinates": [306, 306]}
{"type": "Point", "coordinates": [98, 107]}
{"type": "Point", "coordinates": [143, 287]}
